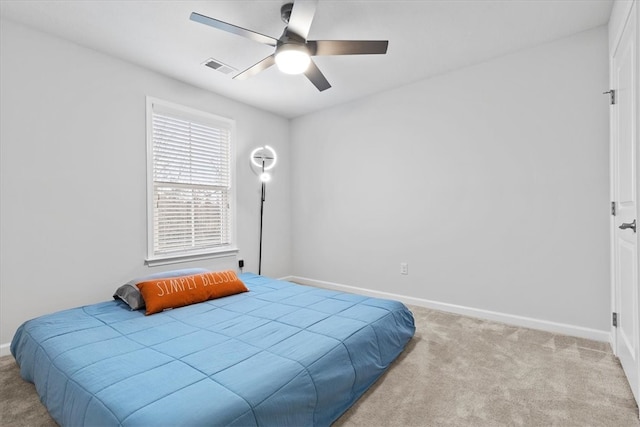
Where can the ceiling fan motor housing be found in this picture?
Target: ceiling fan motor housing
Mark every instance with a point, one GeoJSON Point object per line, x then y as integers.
{"type": "Point", "coordinates": [285, 12]}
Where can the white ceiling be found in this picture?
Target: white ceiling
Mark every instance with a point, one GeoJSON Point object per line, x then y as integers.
{"type": "Point", "coordinates": [426, 38]}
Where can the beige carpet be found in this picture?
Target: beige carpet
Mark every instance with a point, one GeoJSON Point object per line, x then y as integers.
{"type": "Point", "coordinates": [456, 371]}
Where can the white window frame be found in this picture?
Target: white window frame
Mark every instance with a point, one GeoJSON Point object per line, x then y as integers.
{"type": "Point", "coordinates": [199, 117]}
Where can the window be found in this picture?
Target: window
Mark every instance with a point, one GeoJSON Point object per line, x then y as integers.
{"type": "Point", "coordinates": [190, 192]}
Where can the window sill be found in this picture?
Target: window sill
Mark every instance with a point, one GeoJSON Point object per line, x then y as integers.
{"type": "Point", "coordinates": [151, 262]}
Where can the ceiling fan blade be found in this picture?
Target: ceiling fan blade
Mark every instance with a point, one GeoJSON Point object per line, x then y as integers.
{"type": "Point", "coordinates": [301, 17]}
{"type": "Point", "coordinates": [230, 28]}
{"type": "Point", "coordinates": [316, 77]}
{"type": "Point", "coordinates": [256, 68]}
{"type": "Point", "coordinates": [347, 47]}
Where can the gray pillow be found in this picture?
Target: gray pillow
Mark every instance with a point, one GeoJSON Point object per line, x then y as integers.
{"type": "Point", "coordinates": [130, 294]}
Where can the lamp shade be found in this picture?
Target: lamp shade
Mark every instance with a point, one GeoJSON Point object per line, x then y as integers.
{"type": "Point", "coordinates": [265, 177]}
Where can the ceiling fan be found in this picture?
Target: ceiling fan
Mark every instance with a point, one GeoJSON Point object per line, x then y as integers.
{"type": "Point", "coordinates": [293, 51]}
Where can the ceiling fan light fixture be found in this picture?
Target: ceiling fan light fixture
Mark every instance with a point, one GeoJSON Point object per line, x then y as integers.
{"type": "Point", "coordinates": [292, 58]}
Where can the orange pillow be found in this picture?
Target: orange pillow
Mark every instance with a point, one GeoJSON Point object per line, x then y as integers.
{"type": "Point", "coordinates": [173, 292]}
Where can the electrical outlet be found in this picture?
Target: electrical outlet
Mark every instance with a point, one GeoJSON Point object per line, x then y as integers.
{"type": "Point", "coordinates": [404, 268]}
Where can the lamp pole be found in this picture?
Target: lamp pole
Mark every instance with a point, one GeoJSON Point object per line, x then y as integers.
{"type": "Point", "coordinates": [262, 198]}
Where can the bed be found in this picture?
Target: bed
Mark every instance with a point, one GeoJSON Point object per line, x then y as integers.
{"type": "Point", "coordinates": [282, 354]}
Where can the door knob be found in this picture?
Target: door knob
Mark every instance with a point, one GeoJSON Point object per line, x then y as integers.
{"type": "Point", "coordinates": [631, 225]}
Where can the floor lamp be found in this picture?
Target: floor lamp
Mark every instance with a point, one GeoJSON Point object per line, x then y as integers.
{"type": "Point", "coordinates": [263, 159]}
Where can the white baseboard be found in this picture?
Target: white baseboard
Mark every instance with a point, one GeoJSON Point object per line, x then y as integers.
{"type": "Point", "coordinates": [511, 319]}
{"type": "Point", "coordinates": [5, 349]}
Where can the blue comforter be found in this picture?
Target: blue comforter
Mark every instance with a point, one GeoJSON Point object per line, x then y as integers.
{"type": "Point", "coordinates": [280, 355]}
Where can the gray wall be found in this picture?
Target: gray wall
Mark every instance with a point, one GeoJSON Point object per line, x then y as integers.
{"type": "Point", "coordinates": [73, 175]}
{"type": "Point", "coordinates": [491, 182]}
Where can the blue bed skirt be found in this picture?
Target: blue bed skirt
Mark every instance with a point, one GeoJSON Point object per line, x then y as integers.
{"type": "Point", "coordinates": [281, 354]}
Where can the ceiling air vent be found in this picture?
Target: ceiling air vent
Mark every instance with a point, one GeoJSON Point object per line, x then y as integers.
{"type": "Point", "coordinates": [219, 66]}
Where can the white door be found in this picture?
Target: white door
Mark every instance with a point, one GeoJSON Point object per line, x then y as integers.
{"type": "Point", "coordinates": [624, 185]}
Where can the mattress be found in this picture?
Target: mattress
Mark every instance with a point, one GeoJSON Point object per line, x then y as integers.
{"type": "Point", "coordinates": [281, 354]}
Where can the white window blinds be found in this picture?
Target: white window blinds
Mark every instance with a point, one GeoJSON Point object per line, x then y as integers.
{"type": "Point", "coordinates": [191, 179]}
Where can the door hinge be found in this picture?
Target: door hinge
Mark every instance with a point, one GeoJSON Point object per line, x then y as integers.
{"type": "Point", "coordinates": [612, 96]}
{"type": "Point", "coordinates": [613, 208]}
{"type": "Point", "coordinates": [615, 319]}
